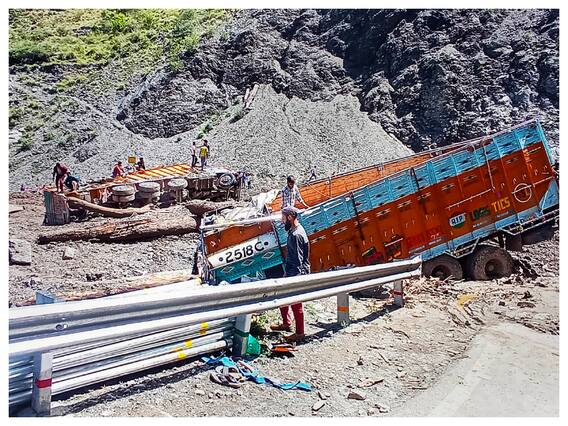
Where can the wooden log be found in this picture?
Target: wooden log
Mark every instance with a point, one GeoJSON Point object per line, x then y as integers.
{"type": "Point", "coordinates": [200, 207]}
{"type": "Point", "coordinates": [118, 231]}
{"type": "Point", "coordinates": [14, 208]}
{"type": "Point", "coordinates": [76, 203]}
{"type": "Point", "coordinates": [120, 285]}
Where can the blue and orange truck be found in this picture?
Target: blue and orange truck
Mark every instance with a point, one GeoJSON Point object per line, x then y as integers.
{"type": "Point", "coordinates": [462, 208]}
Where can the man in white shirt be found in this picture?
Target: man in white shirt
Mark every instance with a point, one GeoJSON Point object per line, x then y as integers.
{"type": "Point", "coordinates": [291, 193]}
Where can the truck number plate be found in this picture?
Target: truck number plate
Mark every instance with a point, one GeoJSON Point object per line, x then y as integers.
{"type": "Point", "coordinates": [242, 251]}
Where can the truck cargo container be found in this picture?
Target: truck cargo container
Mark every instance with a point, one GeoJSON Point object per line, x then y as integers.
{"type": "Point", "coordinates": [461, 208]}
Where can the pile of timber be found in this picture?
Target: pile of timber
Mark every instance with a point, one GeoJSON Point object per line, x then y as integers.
{"type": "Point", "coordinates": [76, 203]}
{"type": "Point", "coordinates": [128, 230]}
{"type": "Point", "coordinates": [139, 228]}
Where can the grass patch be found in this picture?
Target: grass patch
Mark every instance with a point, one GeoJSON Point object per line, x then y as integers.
{"type": "Point", "coordinates": [96, 36]}
{"type": "Point", "coordinates": [15, 116]}
{"type": "Point", "coordinates": [70, 81]}
{"type": "Point", "coordinates": [26, 141]}
{"type": "Point", "coordinates": [239, 113]}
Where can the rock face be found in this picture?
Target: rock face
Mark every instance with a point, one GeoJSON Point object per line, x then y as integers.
{"type": "Point", "coordinates": [337, 88]}
{"type": "Point", "coordinates": [427, 76]}
{"type": "Point", "coordinates": [20, 252]}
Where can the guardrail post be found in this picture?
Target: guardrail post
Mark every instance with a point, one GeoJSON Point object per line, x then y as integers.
{"type": "Point", "coordinates": [343, 308]}
{"type": "Point", "coordinates": [398, 293]}
{"type": "Point", "coordinates": [240, 337]}
{"type": "Point", "coordinates": [41, 391]}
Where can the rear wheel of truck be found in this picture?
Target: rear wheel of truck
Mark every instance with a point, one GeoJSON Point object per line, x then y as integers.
{"type": "Point", "coordinates": [488, 263]}
{"type": "Point", "coordinates": [443, 267]}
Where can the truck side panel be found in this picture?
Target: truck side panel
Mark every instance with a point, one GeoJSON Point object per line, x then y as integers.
{"type": "Point", "coordinates": [441, 206]}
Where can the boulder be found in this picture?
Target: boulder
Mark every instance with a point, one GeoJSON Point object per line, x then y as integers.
{"type": "Point", "coordinates": [20, 252]}
{"type": "Point", "coordinates": [69, 253]}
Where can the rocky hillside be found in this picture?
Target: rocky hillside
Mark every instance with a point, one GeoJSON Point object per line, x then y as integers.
{"type": "Point", "coordinates": [338, 88]}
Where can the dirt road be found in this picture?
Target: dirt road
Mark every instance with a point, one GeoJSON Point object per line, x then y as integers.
{"type": "Point", "coordinates": [466, 348]}
{"type": "Point", "coordinates": [509, 370]}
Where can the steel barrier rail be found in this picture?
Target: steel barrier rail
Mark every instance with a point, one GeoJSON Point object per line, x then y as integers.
{"type": "Point", "coordinates": [56, 317]}
{"type": "Point", "coordinates": [26, 347]}
{"type": "Point", "coordinates": [60, 387]}
{"type": "Point", "coordinates": [99, 351]}
{"type": "Point", "coordinates": [137, 345]}
{"type": "Point", "coordinates": [158, 335]}
{"type": "Point", "coordinates": [119, 360]}
{"type": "Point", "coordinates": [63, 373]}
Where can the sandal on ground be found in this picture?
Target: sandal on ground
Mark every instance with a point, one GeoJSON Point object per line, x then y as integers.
{"type": "Point", "coordinates": [246, 368]}
{"type": "Point", "coordinates": [231, 371]}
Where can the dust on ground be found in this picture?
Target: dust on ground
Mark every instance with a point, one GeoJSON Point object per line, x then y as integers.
{"type": "Point", "coordinates": [407, 352]}
{"type": "Point", "coordinates": [93, 261]}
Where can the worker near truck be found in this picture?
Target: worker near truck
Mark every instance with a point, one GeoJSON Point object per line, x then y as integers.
{"type": "Point", "coordinates": [141, 165]}
{"type": "Point", "coordinates": [72, 182]}
{"type": "Point", "coordinates": [118, 170]}
{"type": "Point", "coordinates": [291, 193]}
{"type": "Point", "coordinates": [297, 263]}
{"type": "Point", "coordinates": [204, 153]}
{"type": "Point", "coordinates": [59, 172]}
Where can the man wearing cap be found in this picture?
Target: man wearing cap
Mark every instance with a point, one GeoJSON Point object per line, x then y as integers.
{"type": "Point", "coordinates": [291, 193]}
{"type": "Point", "coordinates": [297, 263]}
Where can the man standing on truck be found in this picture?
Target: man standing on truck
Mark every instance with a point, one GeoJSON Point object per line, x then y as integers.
{"type": "Point", "coordinates": [204, 154]}
{"type": "Point", "coordinates": [297, 263]}
{"type": "Point", "coordinates": [59, 172]}
{"type": "Point", "coordinates": [291, 193]}
{"type": "Point", "coordinates": [193, 154]}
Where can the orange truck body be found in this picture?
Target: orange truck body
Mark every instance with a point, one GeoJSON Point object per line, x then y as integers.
{"type": "Point", "coordinates": [437, 202]}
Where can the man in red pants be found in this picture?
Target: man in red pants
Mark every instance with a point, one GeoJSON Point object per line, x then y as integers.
{"type": "Point", "coordinates": [297, 263]}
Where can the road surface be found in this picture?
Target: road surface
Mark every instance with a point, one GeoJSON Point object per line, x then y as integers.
{"type": "Point", "coordinates": [509, 370]}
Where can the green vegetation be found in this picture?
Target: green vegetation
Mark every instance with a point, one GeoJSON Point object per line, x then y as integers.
{"type": "Point", "coordinates": [87, 37]}
{"type": "Point", "coordinates": [239, 113]}
{"type": "Point", "coordinates": [211, 123]}
{"type": "Point", "coordinates": [26, 141]}
{"type": "Point", "coordinates": [70, 81]}
{"type": "Point", "coordinates": [16, 115]}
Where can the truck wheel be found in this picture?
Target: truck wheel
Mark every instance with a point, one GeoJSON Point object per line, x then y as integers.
{"type": "Point", "coordinates": [122, 190]}
{"type": "Point", "coordinates": [150, 187]}
{"type": "Point", "coordinates": [148, 195]}
{"type": "Point", "coordinates": [442, 267]}
{"type": "Point", "coordinates": [123, 198]}
{"type": "Point", "coordinates": [489, 262]}
{"type": "Point", "coordinates": [177, 183]}
{"type": "Point", "coordinates": [225, 181]}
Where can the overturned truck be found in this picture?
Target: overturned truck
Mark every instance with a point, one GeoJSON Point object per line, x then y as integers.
{"type": "Point", "coordinates": [177, 182]}
{"type": "Point", "coordinates": [462, 208]}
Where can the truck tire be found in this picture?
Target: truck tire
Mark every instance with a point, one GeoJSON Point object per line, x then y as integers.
{"type": "Point", "coordinates": [149, 187]}
{"type": "Point", "coordinates": [122, 190]}
{"type": "Point", "coordinates": [177, 183]}
{"type": "Point", "coordinates": [443, 267]}
{"type": "Point", "coordinates": [148, 195]}
{"type": "Point", "coordinates": [489, 262]}
{"type": "Point", "coordinates": [123, 198]}
{"type": "Point", "coordinates": [225, 181]}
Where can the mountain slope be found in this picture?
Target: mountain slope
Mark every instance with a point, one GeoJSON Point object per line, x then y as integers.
{"type": "Point", "coordinates": [426, 77]}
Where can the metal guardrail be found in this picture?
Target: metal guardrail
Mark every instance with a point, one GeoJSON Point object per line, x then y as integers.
{"type": "Point", "coordinates": [59, 347]}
